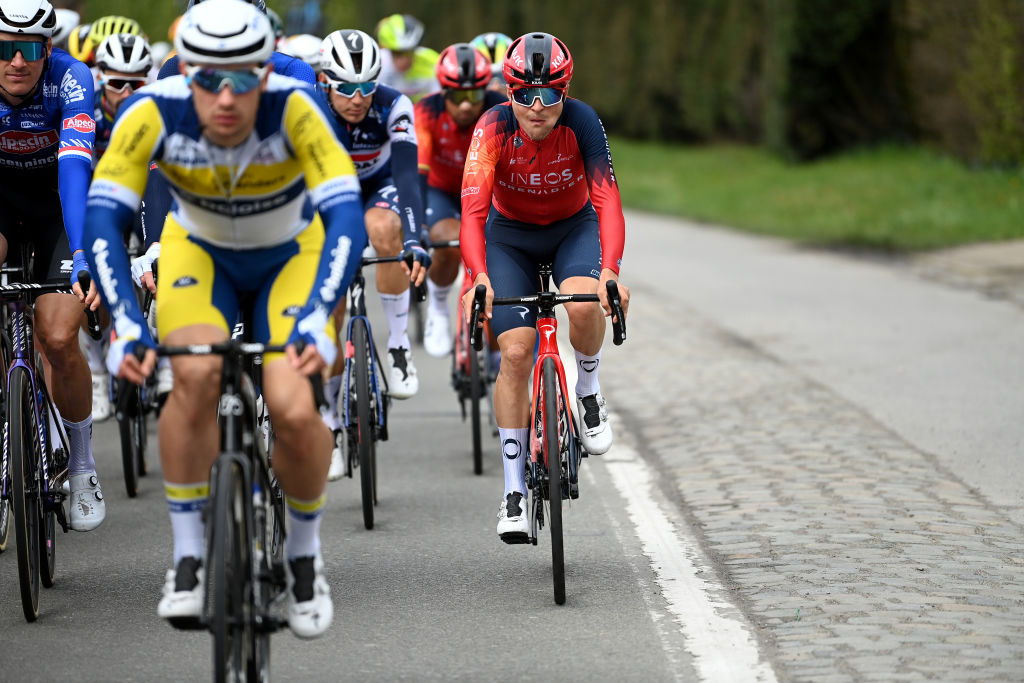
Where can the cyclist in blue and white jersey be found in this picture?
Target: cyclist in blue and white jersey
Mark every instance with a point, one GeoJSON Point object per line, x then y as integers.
{"type": "Point", "coordinates": [266, 204]}
{"type": "Point", "coordinates": [375, 123]}
{"type": "Point", "coordinates": [46, 138]}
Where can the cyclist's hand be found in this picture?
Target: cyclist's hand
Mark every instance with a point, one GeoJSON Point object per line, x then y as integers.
{"type": "Point", "coordinates": [121, 361]}
{"type": "Point", "coordinates": [311, 327]}
{"type": "Point", "coordinates": [420, 261]}
{"type": "Point", "coordinates": [142, 268]}
{"type": "Point", "coordinates": [602, 292]}
{"type": "Point", "coordinates": [92, 298]}
{"type": "Point", "coordinates": [467, 299]}
{"type": "Point", "coordinates": [80, 265]}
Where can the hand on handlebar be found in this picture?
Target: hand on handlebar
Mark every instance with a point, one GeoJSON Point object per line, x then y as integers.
{"type": "Point", "coordinates": [467, 299]}
{"type": "Point", "coordinates": [602, 292]}
{"type": "Point", "coordinates": [415, 261]}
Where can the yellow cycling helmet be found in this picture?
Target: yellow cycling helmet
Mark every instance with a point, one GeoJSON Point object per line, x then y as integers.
{"type": "Point", "coordinates": [399, 32]}
{"type": "Point", "coordinates": [112, 24]}
{"type": "Point", "coordinates": [80, 46]}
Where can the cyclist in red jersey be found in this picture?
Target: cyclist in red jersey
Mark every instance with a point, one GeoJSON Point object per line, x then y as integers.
{"type": "Point", "coordinates": [444, 125]}
{"type": "Point", "coordinates": [539, 187]}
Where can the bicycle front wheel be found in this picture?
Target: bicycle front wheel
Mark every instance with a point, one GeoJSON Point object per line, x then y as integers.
{"type": "Point", "coordinates": [24, 458]}
{"type": "Point", "coordinates": [476, 395]}
{"type": "Point", "coordinates": [5, 503]}
{"type": "Point", "coordinates": [130, 443]}
{"type": "Point", "coordinates": [364, 419]}
{"type": "Point", "coordinates": [553, 462]}
{"type": "Point", "coordinates": [229, 573]}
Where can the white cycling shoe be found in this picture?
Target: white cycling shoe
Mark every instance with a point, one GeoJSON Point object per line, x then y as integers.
{"type": "Point", "coordinates": [597, 432]}
{"type": "Point", "coordinates": [182, 601]}
{"type": "Point", "coordinates": [88, 509]}
{"type": "Point", "coordinates": [310, 610]}
{"type": "Point", "coordinates": [403, 381]}
{"type": "Point", "coordinates": [513, 520]}
{"type": "Point", "coordinates": [337, 468]}
{"type": "Point", "coordinates": [101, 408]}
{"type": "Point", "coordinates": [437, 334]}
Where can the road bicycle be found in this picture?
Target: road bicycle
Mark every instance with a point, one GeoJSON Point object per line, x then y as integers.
{"type": "Point", "coordinates": [245, 527]}
{"type": "Point", "coordinates": [35, 444]}
{"type": "Point", "coordinates": [363, 400]}
{"type": "Point", "coordinates": [552, 470]}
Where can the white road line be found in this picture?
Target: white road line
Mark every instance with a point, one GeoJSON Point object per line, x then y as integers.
{"type": "Point", "coordinates": [714, 631]}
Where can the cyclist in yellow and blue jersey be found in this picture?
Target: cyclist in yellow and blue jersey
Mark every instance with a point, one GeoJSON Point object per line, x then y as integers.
{"type": "Point", "coordinates": [249, 155]}
{"type": "Point", "coordinates": [406, 66]}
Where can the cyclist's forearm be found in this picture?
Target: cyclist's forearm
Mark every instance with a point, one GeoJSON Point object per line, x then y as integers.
{"type": "Point", "coordinates": [344, 241]}
{"type": "Point", "coordinates": [73, 186]}
{"type": "Point", "coordinates": [407, 182]}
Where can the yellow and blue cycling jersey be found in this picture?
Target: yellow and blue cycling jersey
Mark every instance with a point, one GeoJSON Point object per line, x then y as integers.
{"type": "Point", "coordinates": [253, 198]}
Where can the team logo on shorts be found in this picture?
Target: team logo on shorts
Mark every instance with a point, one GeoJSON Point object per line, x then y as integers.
{"type": "Point", "coordinates": [383, 205]}
{"type": "Point", "coordinates": [291, 311]}
{"type": "Point", "coordinates": [185, 281]}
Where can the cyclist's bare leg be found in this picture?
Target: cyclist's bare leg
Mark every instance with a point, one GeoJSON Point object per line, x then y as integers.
{"type": "Point", "coordinates": [586, 321]}
{"type": "Point", "coordinates": [384, 229]}
{"type": "Point", "coordinates": [445, 266]}
{"type": "Point", "coordinates": [302, 446]}
{"type": "Point", "coordinates": [189, 436]}
{"type": "Point", "coordinates": [511, 388]}
{"type": "Point", "coordinates": [57, 319]}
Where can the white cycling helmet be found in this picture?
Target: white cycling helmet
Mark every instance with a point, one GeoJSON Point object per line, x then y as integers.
{"type": "Point", "coordinates": [350, 56]}
{"type": "Point", "coordinates": [304, 46]}
{"type": "Point", "coordinates": [124, 53]}
{"type": "Point", "coordinates": [224, 33]}
{"type": "Point", "coordinates": [67, 20]}
{"type": "Point", "coordinates": [31, 17]}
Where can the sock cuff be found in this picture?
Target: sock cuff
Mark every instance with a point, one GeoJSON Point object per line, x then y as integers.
{"type": "Point", "coordinates": [306, 509]}
{"type": "Point", "coordinates": [84, 424]}
{"type": "Point", "coordinates": [186, 497]}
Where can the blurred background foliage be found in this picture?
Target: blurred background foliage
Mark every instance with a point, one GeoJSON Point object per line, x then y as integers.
{"type": "Point", "coordinates": [804, 78]}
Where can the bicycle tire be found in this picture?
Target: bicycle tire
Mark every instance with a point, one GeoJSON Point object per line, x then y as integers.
{"type": "Point", "coordinates": [129, 445]}
{"type": "Point", "coordinates": [475, 397]}
{"type": "Point", "coordinates": [553, 462]}
{"type": "Point", "coordinates": [5, 503]}
{"type": "Point", "coordinates": [364, 420]}
{"type": "Point", "coordinates": [24, 460]}
{"type": "Point", "coordinates": [229, 587]}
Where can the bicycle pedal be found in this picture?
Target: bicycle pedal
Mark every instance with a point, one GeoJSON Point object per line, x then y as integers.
{"type": "Point", "coordinates": [574, 491]}
{"type": "Point", "coordinates": [187, 623]}
{"type": "Point", "coordinates": [515, 538]}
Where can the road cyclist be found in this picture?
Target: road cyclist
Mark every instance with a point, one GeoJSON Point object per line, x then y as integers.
{"type": "Point", "coordinates": [539, 187]}
{"type": "Point", "coordinates": [250, 155]}
{"type": "Point", "coordinates": [375, 124]}
{"type": "Point", "coordinates": [493, 45]}
{"type": "Point", "coordinates": [47, 132]}
{"type": "Point", "coordinates": [406, 66]}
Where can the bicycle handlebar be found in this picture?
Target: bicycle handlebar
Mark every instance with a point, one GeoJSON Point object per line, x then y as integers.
{"type": "Point", "coordinates": [419, 291]}
{"type": "Point", "coordinates": [614, 301]}
{"type": "Point", "coordinates": [92, 320]}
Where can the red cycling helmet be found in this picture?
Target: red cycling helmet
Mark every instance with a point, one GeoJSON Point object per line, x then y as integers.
{"type": "Point", "coordinates": [537, 59]}
{"type": "Point", "coordinates": [463, 67]}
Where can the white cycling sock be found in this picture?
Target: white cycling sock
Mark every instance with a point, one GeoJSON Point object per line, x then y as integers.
{"type": "Point", "coordinates": [80, 442]}
{"type": "Point", "coordinates": [438, 297]}
{"type": "Point", "coordinates": [586, 375]}
{"type": "Point", "coordinates": [396, 309]}
{"type": "Point", "coordinates": [515, 444]}
{"type": "Point", "coordinates": [304, 517]}
{"type": "Point", "coordinates": [94, 352]}
{"type": "Point", "coordinates": [331, 417]}
{"type": "Point", "coordinates": [185, 502]}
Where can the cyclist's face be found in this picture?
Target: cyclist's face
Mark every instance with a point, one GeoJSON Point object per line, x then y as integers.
{"type": "Point", "coordinates": [227, 118]}
{"type": "Point", "coordinates": [466, 113]}
{"type": "Point", "coordinates": [402, 60]}
{"type": "Point", "coordinates": [18, 76]}
{"type": "Point", "coordinates": [352, 109]}
{"type": "Point", "coordinates": [115, 96]}
{"type": "Point", "coordinates": [536, 120]}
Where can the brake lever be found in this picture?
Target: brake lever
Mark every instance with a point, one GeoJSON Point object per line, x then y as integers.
{"type": "Point", "coordinates": [618, 317]}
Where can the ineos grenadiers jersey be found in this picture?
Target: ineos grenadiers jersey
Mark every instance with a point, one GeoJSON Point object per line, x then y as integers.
{"type": "Point", "coordinates": [246, 197]}
{"type": "Point", "coordinates": [48, 140]}
{"type": "Point", "coordinates": [383, 148]}
{"type": "Point", "coordinates": [442, 144]}
{"type": "Point", "coordinates": [540, 182]}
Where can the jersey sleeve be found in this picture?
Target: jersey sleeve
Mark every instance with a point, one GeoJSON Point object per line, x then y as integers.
{"type": "Point", "coordinates": [114, 197]}
{"type": "Point", "coordinates": [604, 190]}
{"type": "Point", "coordinates": [477, 186]}
{"type": "Point", "coordinates": [77, 138]}
{"type": "Point", "coordinates": [402, 133]}
{"type": "Point", "coordinates": [334, 188]}
{"type": "Point", "coordinates": [424, 139]}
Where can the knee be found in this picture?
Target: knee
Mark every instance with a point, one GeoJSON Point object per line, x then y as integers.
{"type": "Point", "coordinates": [584, 316]}
{"type": "Point", "coordinates": [296, 426]}
{"type": "Point", "coordinates": [385, 236]}
{"type": "Point", "coordinates": [59, 342]}
{"type": "Point", "coordinates": [197, 384]}
{"type": "Point", "coordinates": [517, 359]}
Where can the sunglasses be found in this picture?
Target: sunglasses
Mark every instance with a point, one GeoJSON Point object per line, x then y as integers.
{"type": "Point", "coordinates": [459, 96]}
{"type": "Point", "coordinates": [119, 85]}
{"type": "Point", "coordinates": [549, 97]}
{"type": "Point", "coordinates": [240, 81]}
{"type": "Point", "coordinates": [31, 51]}
{"type": "Point", "coordinates": [365, 88]}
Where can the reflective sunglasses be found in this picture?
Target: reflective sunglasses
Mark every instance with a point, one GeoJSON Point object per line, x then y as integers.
{"type": "Point", "coordinates": [459, 96]}
{"type": "Point", "coordinates": [366, 88]}
{"type": "Point", "coordinates": [119, 85]}
{"type": "Point", "coordinates": [240, 81]}
{"type": "Point", "coordinates": [549, 97]}
{"type": "Point", "coordinates": [31, 51]}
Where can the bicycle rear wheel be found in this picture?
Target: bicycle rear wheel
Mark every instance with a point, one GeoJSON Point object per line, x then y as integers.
{"type": "Point", "coordinates": [24, 459]}
{"type": "Point", "coordinates": [553, 462]}
{"type": "Point", "coordinates": [130, 441]}
{"type": "Point", "coordinates": [364, 418]}
{"type": "Point", "coordinates": [229, 574]}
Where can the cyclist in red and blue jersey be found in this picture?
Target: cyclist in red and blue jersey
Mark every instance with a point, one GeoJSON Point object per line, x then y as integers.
{"type": "Point", "coordinates": [375, 124]}
{"type": "Point", "coordinates": [539, 187]}
{"type": "Point", "coordinates": [444, 125]}
{"type": "Point", "coordinates": [46, 138]}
